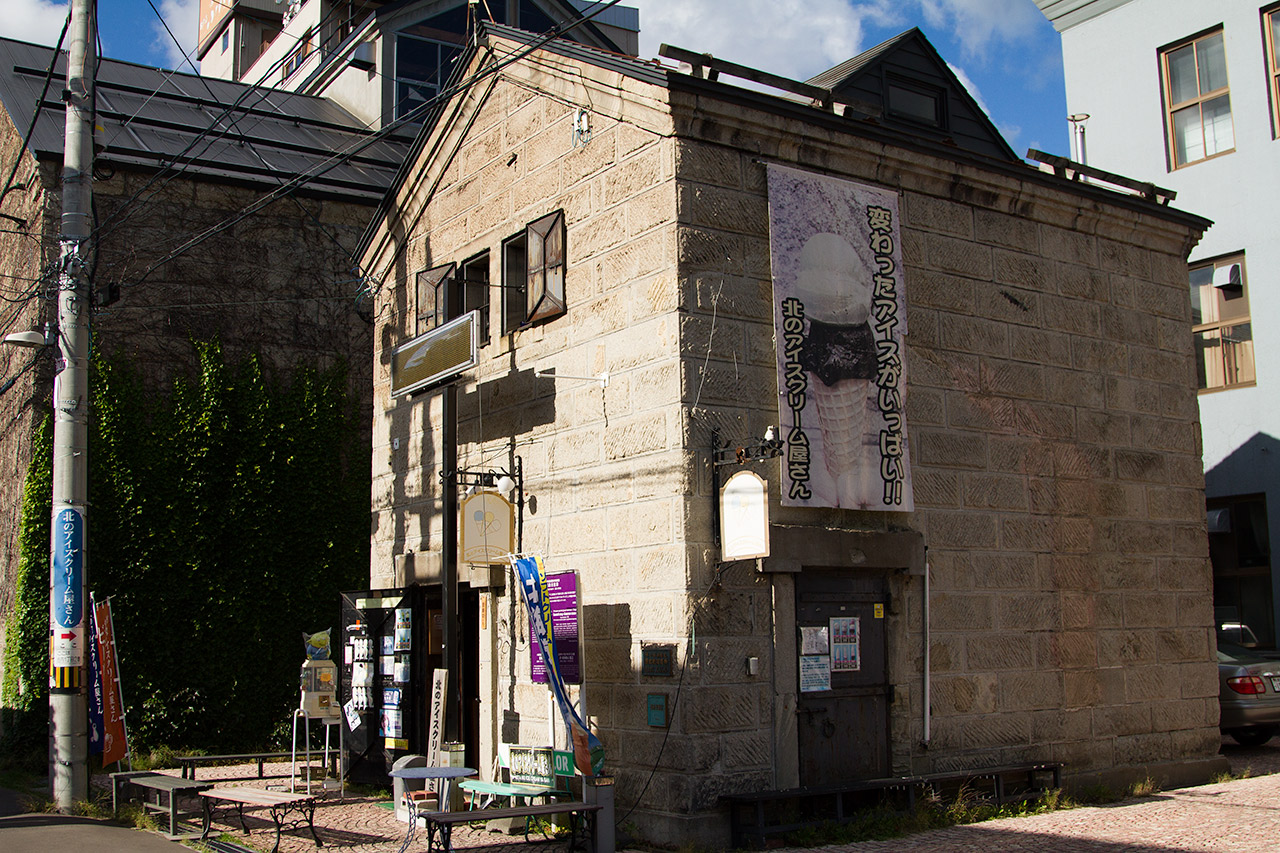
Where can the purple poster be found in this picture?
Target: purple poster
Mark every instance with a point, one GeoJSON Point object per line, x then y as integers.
{"type": "Point", "coordinates": [562, 596]}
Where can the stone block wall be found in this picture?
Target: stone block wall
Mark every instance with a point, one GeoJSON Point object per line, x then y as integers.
{"type": "Point", "coordinates": [605, 466]}
{"type": "Point", "coordinates": [1054, 440]}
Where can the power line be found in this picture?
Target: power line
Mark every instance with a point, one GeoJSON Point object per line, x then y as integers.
{"type": "Point", "coordinates": [35, 115]}
{"type": "Point", "coordinates": [338, 159]}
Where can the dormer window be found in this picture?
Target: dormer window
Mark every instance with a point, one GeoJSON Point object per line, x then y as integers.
{"type": "Point", "coordinates": [916, 102]}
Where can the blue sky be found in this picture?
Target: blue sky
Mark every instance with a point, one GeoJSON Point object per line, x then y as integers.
{"type": "Point", "coordinates": [1005, 51]}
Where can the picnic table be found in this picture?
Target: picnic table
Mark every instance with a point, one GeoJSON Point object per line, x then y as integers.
{"type": "Point", "coordinates": [278, 803]}
{"type": "Point", "coordinates": [164, 786]}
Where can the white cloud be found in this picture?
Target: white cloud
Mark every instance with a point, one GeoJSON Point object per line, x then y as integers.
{"type": "Point", "coordinates": [183, 18]}
{"type": "Point", "coordinates": [37, 21]}
{"type": "Point", "coordinates": [977, 24]}
{"type": "Point", "coordinates": [793, 38]}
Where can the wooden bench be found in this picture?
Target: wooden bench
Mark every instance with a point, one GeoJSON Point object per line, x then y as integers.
{"type": "Point", "coordinates": [188, 763]}
{"type": "Point", "coordinates": [440, 824]}
{"type": "Point", "coordinates": [172, 786]}
{"type": "Point", "coordinates": [278, 803]}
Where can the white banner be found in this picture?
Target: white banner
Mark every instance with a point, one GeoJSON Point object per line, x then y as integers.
{"type": "Point", "coordinates": [840, 317]}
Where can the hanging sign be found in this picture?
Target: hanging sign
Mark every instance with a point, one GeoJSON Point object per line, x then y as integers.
{"type": "Point", "coordinates": [531, 576]}
{"type": "Point", "coordinates": [562, 599]}
{"type": "Point", "coordinates": [840, 317]}
{"type": "Point", "coordinates": [744, 517]}
{"type": "Point", "coordinates": [487, 529]}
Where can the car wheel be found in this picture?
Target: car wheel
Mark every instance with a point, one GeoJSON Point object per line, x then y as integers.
{"type": "Point", "coordinates": [1252, 737]}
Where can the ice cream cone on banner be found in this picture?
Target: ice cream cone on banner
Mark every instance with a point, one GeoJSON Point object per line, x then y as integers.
{"type": "Point", "coordinates": [844, 421]}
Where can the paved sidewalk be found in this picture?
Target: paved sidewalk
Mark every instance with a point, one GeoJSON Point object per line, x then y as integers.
{"type": "Point", "coordinates": [1240, 816]}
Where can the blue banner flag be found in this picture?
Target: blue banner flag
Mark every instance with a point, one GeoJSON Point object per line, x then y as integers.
{"type": "Point", "coordinates": [95, 689]}
{"type": "Point", "coordinates": [531, 576]}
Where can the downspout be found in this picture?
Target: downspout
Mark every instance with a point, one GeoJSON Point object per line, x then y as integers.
{"type": "Point", "coordinates": [925, 618]}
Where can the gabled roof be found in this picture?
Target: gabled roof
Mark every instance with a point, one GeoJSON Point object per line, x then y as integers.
{"type": "Point", "coordinates": [149, 117]}
{"type": "Point", "coordinates": [907, 66]}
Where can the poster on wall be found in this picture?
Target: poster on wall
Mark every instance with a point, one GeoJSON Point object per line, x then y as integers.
{"type": "Point", "coordinates": [562, 601]}
{"type": "Point", "coordinates": [840, 321]}
{"type": "Point", "coordinates": [815, 673]}
{"type": "Point", "coordinates": [846, 655]}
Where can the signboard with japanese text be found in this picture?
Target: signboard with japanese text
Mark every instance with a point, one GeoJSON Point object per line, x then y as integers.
{"type": "Point", "coordinates": [562, 599]}
{"type": "Point", "coordinates": [66, 604]}
{"type": "Point", "coordinates": [840, 321]}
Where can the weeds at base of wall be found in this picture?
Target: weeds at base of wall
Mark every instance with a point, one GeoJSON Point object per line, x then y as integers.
{"type": "Point", "coordinates": [880, 824]}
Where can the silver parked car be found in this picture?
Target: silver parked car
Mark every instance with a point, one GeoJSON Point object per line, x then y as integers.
{"type": "Point", "coordinates": [1248, 695]}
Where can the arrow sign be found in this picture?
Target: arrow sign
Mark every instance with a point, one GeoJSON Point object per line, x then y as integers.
{"type": "Point", "coordinates": [67, 636]}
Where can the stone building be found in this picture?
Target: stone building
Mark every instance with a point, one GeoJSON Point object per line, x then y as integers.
{"type": "Point", "coordinates": [1035, 588]}
{"type": "Point", "coordinates": [189, 242]}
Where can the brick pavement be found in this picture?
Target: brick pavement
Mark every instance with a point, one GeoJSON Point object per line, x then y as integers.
{"type": "Point", "coordinates": [1239, 816]}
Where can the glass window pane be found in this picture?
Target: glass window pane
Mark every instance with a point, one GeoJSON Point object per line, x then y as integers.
{"type": "Point", "coordinates": [1188, 137]}
{"type": "Point", "coordinates": [1202, 306]}
{"type": "Point", "coordinates": [1208, 359]}
{"type": "Point", "coordinates": [1182, 75]}
{"type": "Point", "coordinates": [1273, 23]}
{"type": "Point", "coordinates": [417, 59]}
{"type": "Point", "coordinates": [1237, 354]}
{"type": "Point", "coordinates": [1212, 61]}
{"type": "Point", "coordinates": [1218, 134]}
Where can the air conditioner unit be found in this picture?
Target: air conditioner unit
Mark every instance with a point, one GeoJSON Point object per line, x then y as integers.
{"type": "Point", "coordinates": [363, 56]}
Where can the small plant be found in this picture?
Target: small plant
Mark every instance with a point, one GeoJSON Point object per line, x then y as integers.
{"type": "Point", "coordinates": [1144, 787]}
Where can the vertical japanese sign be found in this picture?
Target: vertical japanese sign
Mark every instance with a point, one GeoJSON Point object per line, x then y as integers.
{"type": "Point", "coordinates": [435, 720]}
{"type": "Point", "coordinates": [531, 576]}
{"type": "Point", "coordinates": [562, 598]}
{"type": "Point", "coordinates": [66, 604]}
{"type": "Point", "coordinates": [115, 741]}
{"type": "Point", "coordinates": [840, 320]}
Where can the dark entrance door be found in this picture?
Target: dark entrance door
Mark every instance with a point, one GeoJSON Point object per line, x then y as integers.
{"type": "Point", "coordinates": [844, 731]}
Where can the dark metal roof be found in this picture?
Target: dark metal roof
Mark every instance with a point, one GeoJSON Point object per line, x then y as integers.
{"type": "Point", "coordinates": [149, 117]}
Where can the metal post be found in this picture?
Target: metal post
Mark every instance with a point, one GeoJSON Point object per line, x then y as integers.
{"type": "Point", "coordinates": [69, 564]}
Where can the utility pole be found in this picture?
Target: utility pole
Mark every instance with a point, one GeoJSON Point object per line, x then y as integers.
{"type": "Point", "coordinates": [69, 564]}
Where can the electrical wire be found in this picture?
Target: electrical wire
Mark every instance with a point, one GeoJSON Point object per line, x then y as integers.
{"type": "Point", "coordinates": [301, 179]}
{"type": "Point", "coordinates": [35, 115]}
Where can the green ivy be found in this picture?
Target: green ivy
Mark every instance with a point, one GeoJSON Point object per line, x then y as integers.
{"type": "Point", "coordinates": [226, 516]}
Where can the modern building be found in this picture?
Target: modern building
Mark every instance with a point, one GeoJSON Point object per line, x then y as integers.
{"type": "Point", "coordinates": [967, 385]}
{"type": "Point", "coordinates": [379, 59]}
{"type": "Point", "coordinates": [1199, 112]}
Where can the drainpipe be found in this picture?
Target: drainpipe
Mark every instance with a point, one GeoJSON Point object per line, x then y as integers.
{"type": "Point", "coordinates": [1079, 153]}
{"type": "Point", "coordinates": [925, 618]}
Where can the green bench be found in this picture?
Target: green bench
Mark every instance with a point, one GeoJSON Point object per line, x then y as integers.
{"type": "Point", "coordinates": [163, 786]}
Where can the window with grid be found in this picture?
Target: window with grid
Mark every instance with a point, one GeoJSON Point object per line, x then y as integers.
{"type": "Point", "coordinates": [1220, 322]}
{"type": "Point", "coordinates": [1197, 100]}
{"type": "Point", "coordinates": [1271, 32]}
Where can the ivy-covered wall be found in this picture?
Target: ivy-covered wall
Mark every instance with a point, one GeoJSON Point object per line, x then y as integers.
{"type": "Point", "coordinates": [225, 517]}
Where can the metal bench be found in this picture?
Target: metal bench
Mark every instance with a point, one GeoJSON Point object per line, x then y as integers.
{"type": "Point", "coordinates": [278, 803]}
{"type": "Point", "coordinates": [440, 824]}
{"type": "Point", "coordinates": [163, 785]}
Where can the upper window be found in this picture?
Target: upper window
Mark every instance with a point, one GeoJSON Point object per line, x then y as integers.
{"type": "Point", "coordinates": [1271, 31]}
{"type": "Point", "coordinates": [916, 102]}
{"type": "Point", "coordinates": [467, 290]}
{"type": "Point", "coordinates": [298, 55]}
{"type": "Point", "coordinates": [533, 267]}
{"type": "Point", "coordinates": [1220, 320]}
{"type": "Point", "coordinates": [1197, 102]}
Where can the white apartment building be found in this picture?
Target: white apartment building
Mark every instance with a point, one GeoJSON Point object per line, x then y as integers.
{"type": "Point", "coordinates": [1186, 94]}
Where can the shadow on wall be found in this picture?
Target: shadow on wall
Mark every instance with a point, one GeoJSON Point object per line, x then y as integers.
{"type": "Point", "coordinates": [1250, 468]}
